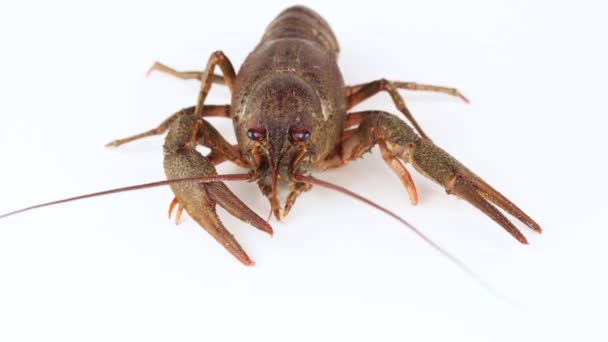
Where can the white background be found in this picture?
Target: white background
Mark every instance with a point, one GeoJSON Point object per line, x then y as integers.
{"type": "Point", "coordinates": [115, 269]}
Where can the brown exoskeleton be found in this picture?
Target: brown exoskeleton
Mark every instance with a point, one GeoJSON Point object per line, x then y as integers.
{"type": "Point", "coordinates": [290, 109]}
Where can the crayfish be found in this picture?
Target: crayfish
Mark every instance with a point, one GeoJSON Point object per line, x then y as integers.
{"type": "Point", "coordinates": [292, 117]}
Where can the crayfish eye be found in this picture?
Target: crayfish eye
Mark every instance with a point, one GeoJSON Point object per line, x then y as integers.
{"type": "Point", "coordinates": [256, 134]}
{"type": "Point", "coordinates": [300, 135]}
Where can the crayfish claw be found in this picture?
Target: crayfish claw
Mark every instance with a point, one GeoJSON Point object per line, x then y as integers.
{"type": "Point", "coordinates": [438, 165]}
{"type": "Point", "coordinates": [399, 143]}
{"type": "Point", "coordinates": [461, 187]}
{"type": "Point", "coordinates": [200, 199]}
{"type": "Point", "coordinates": [220, 193]}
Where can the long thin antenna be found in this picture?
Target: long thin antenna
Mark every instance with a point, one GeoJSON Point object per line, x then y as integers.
{"type": "Point", "coordinates": [208, 179]}
{"type": "Point", "coordinates": [441, 250]}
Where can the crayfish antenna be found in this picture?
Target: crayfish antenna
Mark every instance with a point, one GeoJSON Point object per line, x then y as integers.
{"type": "Point", "coordinates": [208, 179]}
{"type": "Point", "coordinates": [461, 265]}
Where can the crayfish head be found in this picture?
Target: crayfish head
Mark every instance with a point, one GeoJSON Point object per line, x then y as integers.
{"type": "Point", "coordinates": [276, 133]}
